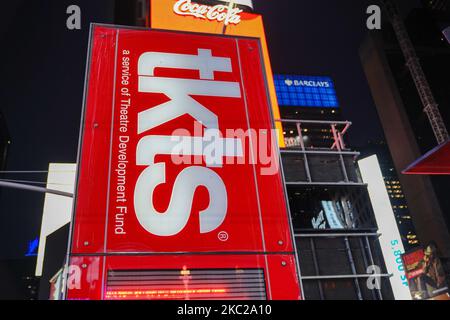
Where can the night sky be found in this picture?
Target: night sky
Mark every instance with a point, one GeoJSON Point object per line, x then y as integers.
{"type": "Point", "coordinates": [322, 38]}
{"type": "Point", "coordinates": [42, 73]}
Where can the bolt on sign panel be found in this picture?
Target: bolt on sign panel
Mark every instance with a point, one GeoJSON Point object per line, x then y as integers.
{"type": "Point", "coordinates": [178, 157]}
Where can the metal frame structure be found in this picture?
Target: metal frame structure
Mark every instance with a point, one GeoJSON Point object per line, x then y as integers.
{"type": "Point", "coordinates": [431, 107]}
{"type": "Point", "coordinates": [26, 187]}
{"type": "Point", "coordinates": [364, 239]}
{"type": "Point", "coordinates": [338, 147]}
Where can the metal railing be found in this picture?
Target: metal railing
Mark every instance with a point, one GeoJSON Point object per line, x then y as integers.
{"type": "Point", "coordinates": [336, 129]}
{"type": "Point", "coordinates": [310, 139]}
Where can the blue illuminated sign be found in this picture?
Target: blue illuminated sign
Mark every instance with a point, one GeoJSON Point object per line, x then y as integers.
{"type": "Point", "coordinates": [33, 246]}
{"type": "Point", "coordinates": [305, 91]}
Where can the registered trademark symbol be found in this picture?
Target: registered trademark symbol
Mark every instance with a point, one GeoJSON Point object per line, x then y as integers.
{"type": "Point", "coordinates": [223, 236]}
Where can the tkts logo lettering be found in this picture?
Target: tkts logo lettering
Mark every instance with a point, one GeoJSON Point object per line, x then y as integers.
{"type": "Point", "coordinates": [180, 181]}
{"type": "Point", "coordinates": [181, 92]}
{"type": "Point", "coordinates": [178, 153]}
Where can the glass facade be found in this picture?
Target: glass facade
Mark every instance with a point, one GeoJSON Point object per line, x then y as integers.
{"type": "Point", "coordinates": [330, 208]}
{"type": "Point", "coordinates": [395, 191]}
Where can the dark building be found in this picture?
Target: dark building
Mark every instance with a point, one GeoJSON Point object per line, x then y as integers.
{"type": "Point", "coordinates": [62, 53]}
{"type": "Point", "coordinates": [55, 255]}
{"type": "Point", "coordinates": [121, 12]}
{"type": "Point", "coordinates": [395, 191]}
{"type": "Point", "coordinates": [17, 279]}
{"type": "Point", "coordinates": [334, 224]}
{"type": "Point", "coordinates": [406, 126]}
{"type": "Point", "coordinates": [4, 141]}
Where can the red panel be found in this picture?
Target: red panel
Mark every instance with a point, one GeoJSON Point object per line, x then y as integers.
{"type": "Point", "coordinates": [280, 277]}
{"type": "Point", "coordinates": [88, 234]}
{"type": "Point", "coordinates": [242, 210]}
{"type": "Point", "coordinates": [275, 220]}
{"type": "Point", "coordinates": [436, 162]}
{"type": "Point", "coordinates": [147, 88]}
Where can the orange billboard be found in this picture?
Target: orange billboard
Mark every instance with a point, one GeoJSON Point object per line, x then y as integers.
{"type": "Point", "coordinates": [227, 19]}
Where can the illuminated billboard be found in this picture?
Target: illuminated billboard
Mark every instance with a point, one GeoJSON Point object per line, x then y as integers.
{"type": "Point", "coordinates": [390, 239]}
{"type": "Point", "coordinates": [246, 3]}
{"type": "Point", "coordinates": [332, 215]}
{"type": "Point", "coordinates": [168, 168]}
{"type": "Point", "coordinates": [57, 210]}
{"type": "Point", "coordinates": [305, 91]}
{"type": "Point", "coordinates": [426, 274]}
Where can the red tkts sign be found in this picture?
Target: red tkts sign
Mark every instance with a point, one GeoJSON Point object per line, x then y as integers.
{"type": "Point", "coordinates": [178, 157]}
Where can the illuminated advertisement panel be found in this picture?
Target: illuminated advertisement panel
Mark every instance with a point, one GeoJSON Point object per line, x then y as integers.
{"type": "Point", "coordinates": [57, 210]}
{"type": "Point", "coordinates": [220, 17]}
{"type": "Point", "coordinates": [426, 274]}
{"type": "Point", "coordinates": [306, 91]}
{"type": "Point", "coordinates": [179, 158]}
{"type": "Point", "coordinates": [390, 239]}
{"type": "Point", "coordinates": [332, 217]}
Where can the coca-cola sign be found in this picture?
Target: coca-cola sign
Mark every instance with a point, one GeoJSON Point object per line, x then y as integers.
{"type": "Point", "coordinates": [227, 14]}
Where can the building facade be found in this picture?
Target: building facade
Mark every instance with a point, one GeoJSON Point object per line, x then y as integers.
{"type": "Point", "coordinates": [335, 229]}
{"type": "Point", "coordinates": [5, 141]}
{"type": "Point", "coordinates": [406, 127]}
{"type": "Point", "coordinates": [395, 190]}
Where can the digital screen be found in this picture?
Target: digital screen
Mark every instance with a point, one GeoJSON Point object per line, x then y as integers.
{"type": "Point", "coordinates": [305, 91]}
{"type": "Point", "coordinates": [425, 273]}
{"type": "Point", "coordinates": [201, 284]}
{"type": "Point", "coordinates": [331, 213]}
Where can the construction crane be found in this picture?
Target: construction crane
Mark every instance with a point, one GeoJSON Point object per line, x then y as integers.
{"type": "Point", "coordinates": [431, 108]}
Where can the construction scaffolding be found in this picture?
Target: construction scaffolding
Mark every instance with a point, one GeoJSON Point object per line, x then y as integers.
{"type": "Point", "coordinates": [431, 108]}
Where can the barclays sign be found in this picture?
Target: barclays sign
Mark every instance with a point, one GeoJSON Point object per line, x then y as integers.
{"type": "Point", "coordinates": [306, 91]}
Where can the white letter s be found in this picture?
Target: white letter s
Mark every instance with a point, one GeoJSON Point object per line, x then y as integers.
{"type": "Point", "coordinates": [176, 217]}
